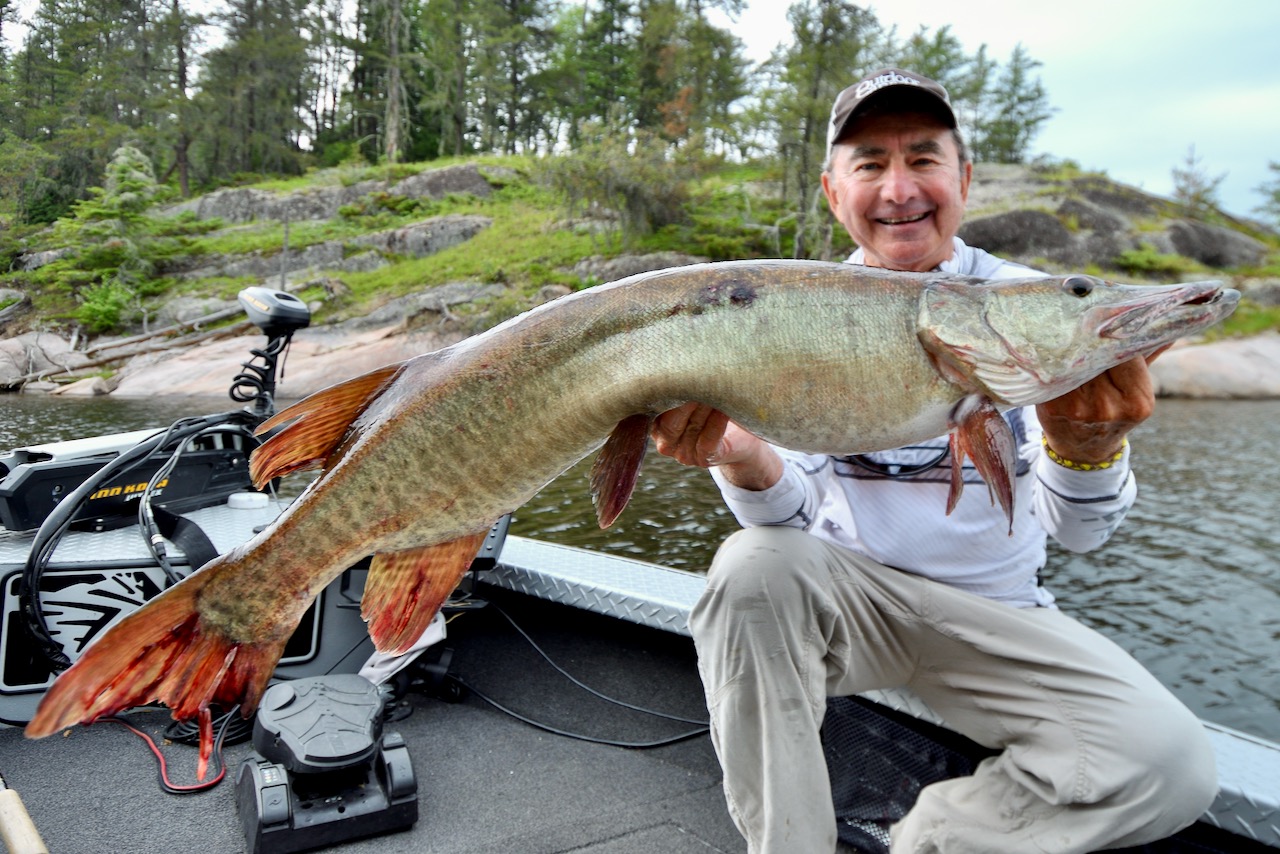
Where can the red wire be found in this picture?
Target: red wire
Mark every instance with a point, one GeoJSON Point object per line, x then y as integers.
{"type": "Point", "coordinates": [164, 767]}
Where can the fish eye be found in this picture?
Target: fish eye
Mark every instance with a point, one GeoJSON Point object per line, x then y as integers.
{"type": "Point", "coordinates": [1079, 286]}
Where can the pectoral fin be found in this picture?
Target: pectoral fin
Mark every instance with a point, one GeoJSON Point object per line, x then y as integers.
{"type": "Point", "coordinates": [405, 589]}
{"type": "Point", "coordinates": [980, 432]}
{"type": "Point", "coordinates": [613, 477]}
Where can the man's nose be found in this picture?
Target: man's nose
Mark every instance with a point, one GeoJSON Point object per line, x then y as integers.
{"type": "Point", "coordinates": [898, 185]}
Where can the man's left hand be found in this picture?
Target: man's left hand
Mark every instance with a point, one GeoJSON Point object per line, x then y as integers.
{"type": "Point", "coordinates": [1089, 425]}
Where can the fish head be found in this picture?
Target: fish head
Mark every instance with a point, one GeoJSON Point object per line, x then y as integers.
{"type": "Point", "coordinates": [1026, 341]}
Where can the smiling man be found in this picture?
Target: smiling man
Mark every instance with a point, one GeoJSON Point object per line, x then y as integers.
{"type": "Point", "coordinates": [847, 577]}
{"type": "Point", "coordinates": [897, 176]}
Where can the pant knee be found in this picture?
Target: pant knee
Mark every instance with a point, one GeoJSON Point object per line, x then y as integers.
{"type": "Point", "coordinates": [1183, 777]}
{"type": "Point", "coordinates": [772, 557]}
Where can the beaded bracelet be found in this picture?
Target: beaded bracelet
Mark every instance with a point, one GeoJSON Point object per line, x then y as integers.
{"type": "Point", "coordinates": [1070, 464]}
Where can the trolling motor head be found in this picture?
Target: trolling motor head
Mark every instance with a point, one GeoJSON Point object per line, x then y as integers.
{"type": "Point", "coordinates": [276, 313]}
{"type": "Point", "coordinates": [279, 315]}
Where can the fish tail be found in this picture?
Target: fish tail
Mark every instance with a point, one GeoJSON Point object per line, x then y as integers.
{"type": "Point", "coordinates": [162, 652]}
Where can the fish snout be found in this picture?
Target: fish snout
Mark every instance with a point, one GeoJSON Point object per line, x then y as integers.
{"type": "Point", "coordinates": [1167, 312]}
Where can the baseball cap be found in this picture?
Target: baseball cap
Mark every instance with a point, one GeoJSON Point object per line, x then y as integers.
{"type": "Point", "coordinates": [882, 86]}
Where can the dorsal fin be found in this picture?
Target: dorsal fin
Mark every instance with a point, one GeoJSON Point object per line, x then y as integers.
{"type": "Point", "coordinates": [613, 476]}
{"type": "Point", "coordinates": [319, 423]}
{"type": "Point", "coordinates": [405, 589]}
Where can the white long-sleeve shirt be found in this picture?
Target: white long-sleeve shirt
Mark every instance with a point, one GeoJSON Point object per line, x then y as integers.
{"type": "Point", "coordinates": [867, 505]}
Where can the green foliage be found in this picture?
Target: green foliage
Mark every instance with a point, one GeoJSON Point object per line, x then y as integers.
{"type": "Point", "coordinates": [1194, 187]}
{"type": "Point", "coordinates": [1249, 318]}
{"type": "Point", "coordinates": [1147, 262]}
{"type": "Point", "coordinates": [1011, 113]}
{"type": "Point", "coordinates": [1270, 192]}
{"type": "Point", "coordinates": [106, 306]}
{"type": "Point", "coordinates": [641, 180]}
{"type": "Point", "coordinates": [109, 228]}
{"type": "Point", "coordinates": [383, 207]}
{"type": "Point", "coordinates": [24, 183]}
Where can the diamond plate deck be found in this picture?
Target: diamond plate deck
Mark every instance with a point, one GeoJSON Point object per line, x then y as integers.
{"type": "Point", "coordinates": [633, 590]}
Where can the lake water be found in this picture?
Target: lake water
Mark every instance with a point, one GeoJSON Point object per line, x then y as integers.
{"type": "Point", "coordinates": [1190, 584]}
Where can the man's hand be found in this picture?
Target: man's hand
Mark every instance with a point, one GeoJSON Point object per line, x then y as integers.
{"type": "Point", "coordinates": [697, 435]}
{"type": "Point", "coordinates": [1089, 425]}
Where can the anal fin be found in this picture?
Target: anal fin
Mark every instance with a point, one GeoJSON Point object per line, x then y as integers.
{"type": "Point", "coordinates": [980, 431]}
{"type": "Point", "coordinates": [616, 469]}
{"type": "Point", "coordinates": [316, 426]}
{"type": "Point", "coordinates": [405, 589]}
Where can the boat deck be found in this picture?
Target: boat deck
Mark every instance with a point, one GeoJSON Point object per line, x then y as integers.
{"type": "Point", "coordinates": [1248, 802]}
{"type": "Point", "coordinates": [488, 782]}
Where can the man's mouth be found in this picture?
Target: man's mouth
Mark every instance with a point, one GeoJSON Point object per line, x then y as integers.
{"type": "Point", "coordinates": [903, 220]}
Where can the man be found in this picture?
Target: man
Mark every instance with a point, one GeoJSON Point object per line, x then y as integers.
{"type": "Point", "coordinates": [848, 576]}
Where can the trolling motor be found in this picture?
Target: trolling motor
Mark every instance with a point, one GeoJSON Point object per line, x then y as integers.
{"type": "Point", "coordinates": [278, 315]}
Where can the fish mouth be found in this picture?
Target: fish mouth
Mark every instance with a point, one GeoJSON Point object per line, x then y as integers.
{"type": "Point", "coordinates": [1172, 313]}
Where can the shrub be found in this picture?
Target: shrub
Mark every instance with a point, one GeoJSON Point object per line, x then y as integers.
{"type": "Point", "coordinates": [1146, 261]}
{"type": "Point", "coordinates": [639, 177]}
{"type": "Point", "coordinates": [106, 306]}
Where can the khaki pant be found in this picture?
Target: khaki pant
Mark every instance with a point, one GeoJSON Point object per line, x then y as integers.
{"type": "Point", "coordinates": [1096, 753]}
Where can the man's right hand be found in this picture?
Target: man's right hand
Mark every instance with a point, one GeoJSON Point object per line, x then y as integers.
{"type": "Point", "coordinates": [698, 435]}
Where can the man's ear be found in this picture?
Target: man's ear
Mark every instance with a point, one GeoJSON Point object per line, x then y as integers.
{"type": "Point", "coordinates": [966, 175]}
{"type": "Point", "coordinates": [829, 190]}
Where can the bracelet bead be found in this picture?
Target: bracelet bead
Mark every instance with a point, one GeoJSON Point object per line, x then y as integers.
{"type": "Point", "coordinates": [1071, 464]}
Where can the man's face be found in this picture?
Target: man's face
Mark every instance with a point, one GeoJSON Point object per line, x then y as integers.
{"type": "Point", "coordinates": [897, 185]}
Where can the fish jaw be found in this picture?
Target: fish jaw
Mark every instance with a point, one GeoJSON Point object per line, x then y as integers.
{"type": "Point", "coordinates": [1150, 319]}
{"type": "Point", "coordinates": [1024, 342]}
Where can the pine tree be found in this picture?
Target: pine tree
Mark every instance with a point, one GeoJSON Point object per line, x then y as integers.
{"type": "Point", "coordinates": [1014, 111]}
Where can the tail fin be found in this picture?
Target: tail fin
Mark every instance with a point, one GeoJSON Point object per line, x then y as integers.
{"type": "Point", "coordinates": [162, 652]}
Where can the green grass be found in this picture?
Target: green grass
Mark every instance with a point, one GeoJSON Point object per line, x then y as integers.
{"type": "Point", "coordinates": [1146, 262]}
{"type": "Point", "coordinates": [1249, 318]}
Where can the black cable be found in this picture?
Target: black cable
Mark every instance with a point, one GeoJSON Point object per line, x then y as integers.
{"type": "Point", "coordinates": [256, 384]}
{"type": "Point", "coordinates": [237, 727]}
{"type": "Point", "coordinates": [588, 688]}
{"type": "Point", "coordinates": [147, 519]}
{"type": "Point", "coordinates": [162, 771]}
{"type": "Point", "coordinates": [59, 520]}
{"type": "Point", "coordinates": [703, 727]}
{"type": "Point", "coordinates": [633, 745]}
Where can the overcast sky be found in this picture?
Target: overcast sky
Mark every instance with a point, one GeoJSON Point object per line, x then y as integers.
{"type": "Point", "coordinates": [1135, 82]}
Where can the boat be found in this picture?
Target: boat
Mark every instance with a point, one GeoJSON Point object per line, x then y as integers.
{"type": "Point", "coordinates": [559, 710]}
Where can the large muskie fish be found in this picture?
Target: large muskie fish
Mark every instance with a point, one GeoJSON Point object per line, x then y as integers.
{"type": "Point", "coordinates": [421, 457]}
